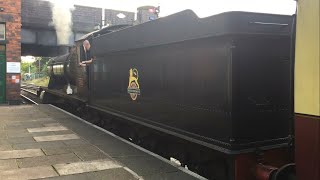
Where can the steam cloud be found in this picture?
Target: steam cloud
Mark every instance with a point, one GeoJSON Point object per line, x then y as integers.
{"type": "Point", "coordinates": [62, 19]}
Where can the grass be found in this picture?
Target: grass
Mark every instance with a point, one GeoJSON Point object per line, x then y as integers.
{"type": "Point", "coordinates": [39, 82]}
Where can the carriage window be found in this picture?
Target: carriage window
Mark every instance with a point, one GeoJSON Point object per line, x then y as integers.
{"type": "Point", "coordinates": [2, 32]}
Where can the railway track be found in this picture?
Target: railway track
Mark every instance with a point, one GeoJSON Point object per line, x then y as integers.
{"type": "Point", "coordinates": [30, 93]}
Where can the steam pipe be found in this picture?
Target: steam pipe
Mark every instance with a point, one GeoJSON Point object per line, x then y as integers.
{"type": "Point", "coordinates": [264, 172]}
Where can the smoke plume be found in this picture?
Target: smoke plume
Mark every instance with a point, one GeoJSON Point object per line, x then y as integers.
{"type": "Point", "coordinates": [62, 19]}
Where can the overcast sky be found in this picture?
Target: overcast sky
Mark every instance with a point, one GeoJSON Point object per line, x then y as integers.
{"type": "Point", "coordinates": [202, 8]}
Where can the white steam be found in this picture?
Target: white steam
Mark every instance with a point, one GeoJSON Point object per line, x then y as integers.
{"type": "Point", "coordinates": [62, 19]}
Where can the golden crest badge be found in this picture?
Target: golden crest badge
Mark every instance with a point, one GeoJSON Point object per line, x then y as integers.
{"type": "Point", "coordinates": [133, 87]}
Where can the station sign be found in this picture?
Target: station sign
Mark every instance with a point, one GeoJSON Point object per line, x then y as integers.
{"type": "Point", "coordinates": [13, 67]}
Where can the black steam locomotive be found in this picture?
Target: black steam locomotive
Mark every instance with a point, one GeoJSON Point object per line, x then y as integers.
{"type": "Point", "coordinates": [221, 86]}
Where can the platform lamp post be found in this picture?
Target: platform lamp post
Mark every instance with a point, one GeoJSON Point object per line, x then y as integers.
{"type": "Point", "coordinates": [39, 69]}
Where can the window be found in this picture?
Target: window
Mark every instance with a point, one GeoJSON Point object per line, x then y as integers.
{"type": "Point", "coordinates": [2, 32]}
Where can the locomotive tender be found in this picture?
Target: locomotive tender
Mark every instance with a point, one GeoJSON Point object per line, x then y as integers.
{"type": "Point", "coordinates": [223, 82]}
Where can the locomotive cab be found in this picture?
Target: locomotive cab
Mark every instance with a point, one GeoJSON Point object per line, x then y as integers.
{"type": "Point", "coordinates": [61, 72]}
{"type": "Point", "coordinates": [66, 76]}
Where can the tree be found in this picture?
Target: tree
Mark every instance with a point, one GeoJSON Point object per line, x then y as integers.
{"type": "Point", "coordinates": [38, 66]}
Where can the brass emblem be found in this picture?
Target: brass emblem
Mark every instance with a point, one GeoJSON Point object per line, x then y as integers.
{"type": "Point", "coordinates": [133, 87]}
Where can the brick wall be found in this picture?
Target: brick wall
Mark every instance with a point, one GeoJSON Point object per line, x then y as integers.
{"type": "Point", "coordinates": [144, 15]}
{"type": "Point", "coordinates": [36, 14]}
{"type": "Point", "coordinates": [86, 18]}
{"type": "Point", "coordinates": [11, 16]}
{"type": "Point", "coordinates": [111, 17]}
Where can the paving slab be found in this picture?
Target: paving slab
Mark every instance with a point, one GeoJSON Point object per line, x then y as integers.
{"type": "Point", "coordinates": [28, 173]}
{"type": "Point", "coordinates": [65, 147]}
{"type": "Point", "coordinates": [88, 166]}
{"type": "Point", "coordinates": [9, 131]}
{"type": "Point", "coordinates": [116, 174]}
{"type": "Point", "coordinates": [56, 137]}
{"type": "Point", "coordinates": [82, 176]}
{"type": "Point", "coordinates": [13, 134]}
{"type": "Point", "coordinates": [169, 176]}
{"type": "Point", "coordinates": [8, 164]}
{"type": "Point", "coordinates": [16, 127]}
{"type": "Point", "coordinates": [76, 142]}
{"type": "Point", "coordinates": [45, 129]}
{"type": "Point", "coordinates": [19, 140]}
{"type": "Point", "coordinates": [28, 119]}
{"type": "Point", "coordinates": [56, 150]}
{"type": "Point", "coordinates": [51, 124]}
{"type": "Point", "coordinates": [5, 147]}
{"type": "Point", "coordinates": [21, 153]}
{"type": "Point", "coordinates": [4, 142]}
{"type": "Point", "coordinates": [87, 154]}
{"type": "Point", "coordinates": [62, 132]}
{"type": "Point", "coordinates": [146, 165]}
{"type": "Point", "coordinates": [120, 149]}
{"type": "Point", "coordinates": [56, 144]}
{"type": "Point", "coordinates": [48, 160]}
{"type": "Point", "coordinates": [109, 174]}
{"type": "Point", "coordinates": [24, 124]}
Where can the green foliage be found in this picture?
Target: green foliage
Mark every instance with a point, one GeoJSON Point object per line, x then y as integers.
{"type": "Point", "coordinates": [38, 71]}
{"type": "Point", "coordinates": [34, 67]}
{"type": "Point", "coordinates": [44, 71]}
{"type": "Point", "coordinates": [24, 67]}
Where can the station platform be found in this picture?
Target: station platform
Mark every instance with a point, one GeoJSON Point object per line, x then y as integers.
{"type": "Point", "coordinates": [45, 142]}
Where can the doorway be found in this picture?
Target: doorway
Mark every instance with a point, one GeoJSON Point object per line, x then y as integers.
{"type": "Point", "coordinates": [2, 74]}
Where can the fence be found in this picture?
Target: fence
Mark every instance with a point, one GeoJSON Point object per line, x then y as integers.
{"type": "Point", "coordinates": [31, 76]}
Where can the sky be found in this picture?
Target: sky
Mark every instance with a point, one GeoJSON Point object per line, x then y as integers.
{"type": "Point", "coordinates": [202, 8]}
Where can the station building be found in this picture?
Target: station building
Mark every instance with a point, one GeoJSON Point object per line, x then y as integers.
{"type": "Point", "coordinates": [10, 51]}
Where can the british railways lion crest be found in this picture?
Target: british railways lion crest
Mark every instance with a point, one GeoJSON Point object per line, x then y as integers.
{"type": "Point", "coordinates": [133, 87]}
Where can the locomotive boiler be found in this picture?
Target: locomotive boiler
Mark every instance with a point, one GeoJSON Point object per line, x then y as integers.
{"type": "Point", "coordinates": [222, 83]}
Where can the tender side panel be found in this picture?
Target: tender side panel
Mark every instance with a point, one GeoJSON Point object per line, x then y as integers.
{"type": "Point", "coordinates": [182, 86]}
{"type": "Point", "coordinates": [262, 93]}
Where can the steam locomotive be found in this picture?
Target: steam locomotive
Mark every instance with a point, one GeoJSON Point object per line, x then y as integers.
{"type": "Point", "coordinates": [220, 86]}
